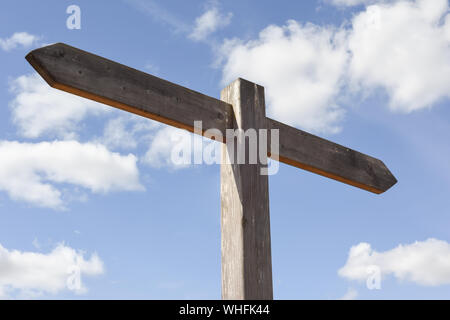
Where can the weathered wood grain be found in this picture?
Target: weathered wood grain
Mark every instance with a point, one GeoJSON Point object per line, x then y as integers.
{"type": "Point", "coordinates": [306, 151]}
{"type": "Point", "coordinates": [93, 77]}
{"type": "Point", "coordinates": [96, 78]}
{"type": "Point", "coordinates": [245, 222]}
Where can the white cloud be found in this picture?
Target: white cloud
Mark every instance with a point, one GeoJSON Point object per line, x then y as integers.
{"type": "Point", "coordinates": [31, 172]}
{"type": "Point", "coordinates": [423, 262]}
{"type": "Point", "coordinates": [39, 109]}
{"type": "Point", "coordinates": [22, 39]}
{"type": "Point", "coordinates": [127, 131]}
{"type": "Point", "coordinates": [3, 295]}
{"type": "Point", "coordinates": [160, 14]}
{"type": "Point", "coordinates": [177, 149]}
{"type": "Point", "coordinates": [403, 48]}
{"type": "Point", "coordinates": [116, 135]}
{"type": "Point", "coordinates": [34, 273]}
{"type": "Point", "coordinates": [210, 21]}
{"type": "Point", "coordinates": [350, 3]}
{"type": "Point", "coordinates": [162, 145]}
{"type": "Point", "coordinates": [351, 294]}
{"type": "Point", "coordinates": [301, 67]}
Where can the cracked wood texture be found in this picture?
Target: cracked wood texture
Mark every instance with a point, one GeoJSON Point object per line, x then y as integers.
{"type": "Point", "coordinates": [245, 222]}
{"type": "Point", "coordinates": [93, 77]}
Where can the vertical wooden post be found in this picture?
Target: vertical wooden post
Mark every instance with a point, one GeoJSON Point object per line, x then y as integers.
{"type": "Point", "coordinates": [245, 223]}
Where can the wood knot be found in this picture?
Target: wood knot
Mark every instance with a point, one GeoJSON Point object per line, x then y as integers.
{"type": "Point", "coordinates": [244, 222]}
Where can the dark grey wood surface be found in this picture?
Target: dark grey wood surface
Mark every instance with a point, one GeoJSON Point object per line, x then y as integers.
{"type": "Point", "coordinates": [96, 78]}
{"type": "Point", "coordinates": [307, 151]}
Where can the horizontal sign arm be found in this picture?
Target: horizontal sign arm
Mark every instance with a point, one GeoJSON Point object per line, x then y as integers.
{"type": "Point", "coordinates": [309, 152]}
{"type": "Point", "coordinates": [102, 80]}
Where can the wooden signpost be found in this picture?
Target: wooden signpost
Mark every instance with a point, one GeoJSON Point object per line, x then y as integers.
{"type": "Point", "coordinates": [245, 222]}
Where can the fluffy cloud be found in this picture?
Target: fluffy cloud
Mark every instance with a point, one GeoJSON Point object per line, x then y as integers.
{"type": "Point", "coordinates": [209, 22]}
{"type": "Point", "coordinates": [127, 131]}
{"type": "Point", "coordinates": [403, 48]}
{"type": "Point", "coordinates": [164, 145]}
{"type": "Point", "coordinates": [426, 263]}
{"type": "Point", "coordinates": [29, 172]}
{"type": "Point", "coordinates": [33, 273]}
{"type": "Point", "coordinates": [22, 39]}
{"type": "Point", "coordinates": [177, 149]}
{"type": "Point", "coordinates": [301, 67]}
{"type": "Point", "coordinates": [38, 109]}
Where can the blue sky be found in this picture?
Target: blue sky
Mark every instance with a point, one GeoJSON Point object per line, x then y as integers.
{"type": "Point", "coordinates": [371, 75]}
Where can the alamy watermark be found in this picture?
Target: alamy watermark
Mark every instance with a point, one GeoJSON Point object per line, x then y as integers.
{"type": "Point", "coordinates": [373, 281]}
{"type": "Point", "coordinates": [249, 146]}
{"type": "Point", "coordinates": [73, 281]}
{"type": "Point", "coordinates": [74, 20]}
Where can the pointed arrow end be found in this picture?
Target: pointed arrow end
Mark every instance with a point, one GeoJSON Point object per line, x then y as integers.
{"type": "Point", "coordinates": [37, 57]}
{"type": "Point", "coordinates": [389, 180]}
